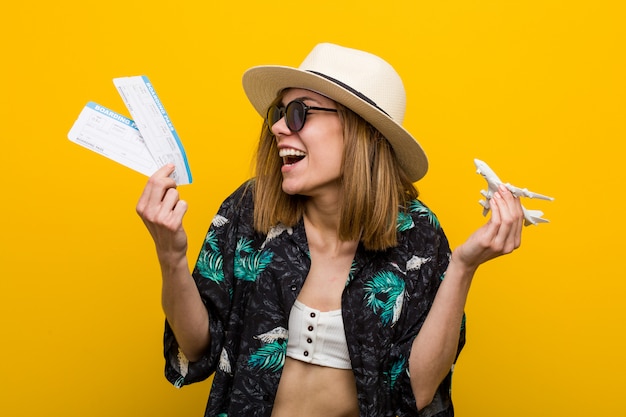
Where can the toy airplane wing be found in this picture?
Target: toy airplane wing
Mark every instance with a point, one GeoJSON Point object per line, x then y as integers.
{"type": "Point", "coordinates": [533, 217]}
{"type": "Point", "coordinates": [493, 182]}
{"type": "Point", "coordinates": [523, 192]}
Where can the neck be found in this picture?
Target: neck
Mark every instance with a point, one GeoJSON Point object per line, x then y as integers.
{"type": "Point", "coordinates": [323, 215]}
{"type": "Point", "coordinates": [322, 230]}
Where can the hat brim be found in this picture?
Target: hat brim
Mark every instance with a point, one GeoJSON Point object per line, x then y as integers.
{"type": "Point", "coordinates": [262, 85]}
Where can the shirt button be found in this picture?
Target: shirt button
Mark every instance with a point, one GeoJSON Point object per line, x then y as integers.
{"type": "Point", "coordinates": [310, 328]}
{"type": "Point", "coordinates": [306, 353]}
{"type": "Point", "coordinates": [293, 288]}
{"type": "Point", "coordinates": [309, 340]}
{"type": "Point", "coordinates": [312, 314]}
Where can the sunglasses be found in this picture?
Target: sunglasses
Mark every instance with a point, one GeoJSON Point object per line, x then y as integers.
{"type": "Point", "coordinates": [294, 113]}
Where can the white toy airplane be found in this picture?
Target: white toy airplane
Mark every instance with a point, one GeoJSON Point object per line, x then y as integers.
{"type": "Point", "coordinates": [493, 182]}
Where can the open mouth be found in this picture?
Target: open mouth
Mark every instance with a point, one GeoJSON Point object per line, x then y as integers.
{"type": "Point", "coordinates": [291, 156]}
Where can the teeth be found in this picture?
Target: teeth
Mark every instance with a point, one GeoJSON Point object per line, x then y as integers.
{"type": "Point", "coordinates": [290, 152]}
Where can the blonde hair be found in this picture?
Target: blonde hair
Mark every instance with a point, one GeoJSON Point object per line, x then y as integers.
{"type": "Point", "coordinates": [373, 186]}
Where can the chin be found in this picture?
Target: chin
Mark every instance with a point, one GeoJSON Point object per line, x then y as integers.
{"type": "Point", "coordinates": [289, 190]}
{"type": "Point", "coordinates": [294, 189]}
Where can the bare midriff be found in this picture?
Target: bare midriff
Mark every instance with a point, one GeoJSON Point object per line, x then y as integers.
{"type": "Point", "coordinates": [308, 390]}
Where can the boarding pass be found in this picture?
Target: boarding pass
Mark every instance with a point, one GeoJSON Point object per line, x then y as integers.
{"type": "Point", "coordinates": [144, 144]}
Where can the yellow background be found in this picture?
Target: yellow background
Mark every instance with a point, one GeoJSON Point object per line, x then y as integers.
{"type": "Point", "coordinates": [536, 88]}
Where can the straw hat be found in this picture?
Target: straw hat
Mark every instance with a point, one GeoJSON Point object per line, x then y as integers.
{"type": "Point", "coordinates": [363, 82]}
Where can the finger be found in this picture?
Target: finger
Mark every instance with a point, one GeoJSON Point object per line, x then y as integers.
{"type": "Point", "coordinates": [170, 199]}
{"type": "Point", "coordinates": [171, 211]}
{"type": "Point", "coordinates": [495, 203]}
{"type": "Point", "coordinates": [510, 201]}
{"type": "Point", "coordinates": [503, 241]}
{"type": "Point", "coordinates": [516, 215]}
{"type": "Point", "coordinates": [519, 224]}
{"type": "Point", "coordinates": [490, 230]}
{"type": "Point", "coordinates": [157, 186]}
{"type": "Point", "coordinates": [510, 215]}
{"type": "Point", "coordinates": [165, 171]}
{"type": "Point", "coordinates": [180, 209]}
{"type": "Point", "coordinates": [498, 208]}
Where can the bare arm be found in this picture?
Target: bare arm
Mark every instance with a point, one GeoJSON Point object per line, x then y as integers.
{"type": "Point", "coordinates": [435, 347]}
{"type": "Point", "coordinates": [162, 212]}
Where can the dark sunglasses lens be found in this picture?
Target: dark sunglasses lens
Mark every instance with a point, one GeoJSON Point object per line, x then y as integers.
{"type": "Point", "coordinates": [295, 115]}
{"type": "Point", "coordinates": [274, 114]}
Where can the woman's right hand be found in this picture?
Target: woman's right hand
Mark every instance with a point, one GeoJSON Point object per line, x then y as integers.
{"type": "Point", "coordinates": [162, 211]}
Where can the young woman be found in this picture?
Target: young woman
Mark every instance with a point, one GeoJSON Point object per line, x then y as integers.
{"type": "Point", "coordinates": [324, 286]}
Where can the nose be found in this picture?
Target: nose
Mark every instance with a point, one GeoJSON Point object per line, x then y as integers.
{"type": "Point", "coordinates": [280, 127]}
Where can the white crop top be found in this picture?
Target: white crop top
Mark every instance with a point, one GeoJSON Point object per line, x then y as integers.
{"type": "Point", "coordinates": [317, 337]}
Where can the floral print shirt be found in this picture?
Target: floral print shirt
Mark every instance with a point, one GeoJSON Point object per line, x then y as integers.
{"type": "Point", "coordinates": [249, 281]}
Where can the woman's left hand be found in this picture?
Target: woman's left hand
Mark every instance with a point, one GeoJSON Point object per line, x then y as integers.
{"type": "Point", "coordinates": [502, 234]}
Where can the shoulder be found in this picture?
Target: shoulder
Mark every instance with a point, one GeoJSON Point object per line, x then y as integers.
{"type": "Point", "coordinates": [235, 215]}
{"type": "Point", "coordinates": [242, 198]}
{"type": "Point", "coordinates": [417, 217]}
{"type": "Point", "coordinates": [239, 204]}
{"type": "Point", "coordinates": [419, 230]}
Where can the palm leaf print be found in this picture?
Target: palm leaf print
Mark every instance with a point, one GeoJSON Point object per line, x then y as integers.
{"type": "Point", "coordinates": [351, 272]}
{"type": "Point", "coordinates": [244, 245]}
{"type": "Point", "coordinates": [219, 221]}
{"type": "Point", "coordinates": [404, 222]}
{"type": "Point", "coordinates": [210, 262]}
{"type": "Point", "coordinates": [250, 265]}
{"type": "Point", "coordinates": [269, 357]}
{"type": "Point", "coordinates": [179, 382]}
{"type": "Point", "coordinates": [396, 369]}
{"type": "Point", "coordinates": [275, 232]}
{"type": "Point", "coordinates": [423, 211]}
{"type": "Point", "coordinates": [183, 368]}
{"type": "Point", "coordinates": [224, 363]}
{"type": "Point", "coordinates": [211, 240]}
{"type": "Point", "coordinates": [385, 294]}
{"type": "Point", "coordinates": [415, 263]}
{"type": "Point", "coordinates": [272, 335]}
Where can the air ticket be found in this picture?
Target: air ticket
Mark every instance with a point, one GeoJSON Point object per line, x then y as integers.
{"type": "Point", "coordinates": [154, 124]}
{"type": "Point", "coordinates": [112, 135]}
{"type": "Point", "coordinates": [145, 144]}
